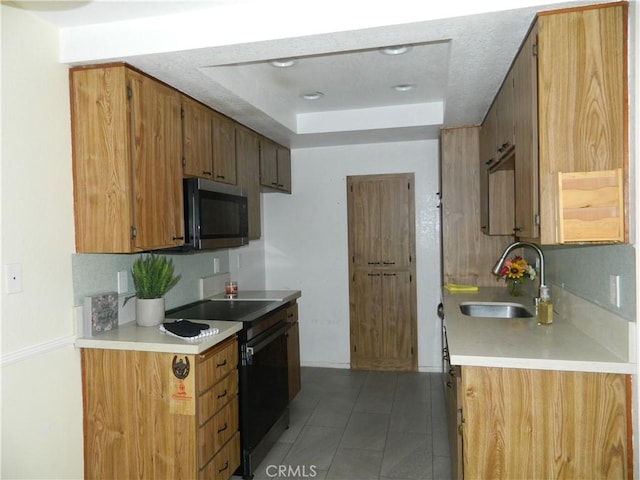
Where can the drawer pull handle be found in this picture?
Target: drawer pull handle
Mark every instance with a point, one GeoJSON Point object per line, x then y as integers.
{"type": "Point", "coordinates": [223, 394]}
{"type": "Point", "coordinates": [218, 365]}
{"type": "Point", "coordinates": [220, 430]}
{"type": "Point", "coordinates": [226, 465]}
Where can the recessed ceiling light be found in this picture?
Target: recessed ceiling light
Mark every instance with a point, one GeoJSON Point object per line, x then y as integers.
{"type": "Point", "coordinates": [405, 87]}
{"type": "Point", "coordinates": [313, 95]}
{"type": "Point", "coordinates": [283, 63]}
{"type": "Point", "coordinates": [395, 50]}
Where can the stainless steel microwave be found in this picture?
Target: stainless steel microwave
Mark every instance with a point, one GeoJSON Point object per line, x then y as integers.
{"type": "Point", "coordinates": [215, 215]}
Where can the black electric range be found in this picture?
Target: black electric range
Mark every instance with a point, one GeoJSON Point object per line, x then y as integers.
{"type": "Point", "coordinates": [250, 312]}
{"type": "Point", "coordinates": [263, 370]}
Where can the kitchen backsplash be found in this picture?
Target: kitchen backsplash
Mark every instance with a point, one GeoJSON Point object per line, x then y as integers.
{"type": "Point", "coordinates": [585, 271]}
{"type": "Point", "coordinates": [95, 273]}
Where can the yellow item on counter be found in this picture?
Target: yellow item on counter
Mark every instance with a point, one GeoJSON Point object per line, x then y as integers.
{"type": "Point", "coordinates": [454, 288]}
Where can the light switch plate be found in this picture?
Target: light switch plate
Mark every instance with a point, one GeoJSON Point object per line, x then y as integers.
{"type": "Point", "coordinates": [13, 278]}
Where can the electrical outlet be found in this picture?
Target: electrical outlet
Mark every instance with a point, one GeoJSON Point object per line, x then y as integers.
{"type": "Point", "coordinates": [216, 265]}
{"type": "Point", "coordinates": [614, 290]}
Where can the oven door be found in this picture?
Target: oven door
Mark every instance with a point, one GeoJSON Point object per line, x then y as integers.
{"type": "Point", "coordinates": [264, 392]}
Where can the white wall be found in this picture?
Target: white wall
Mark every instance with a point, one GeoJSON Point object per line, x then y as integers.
{"type": "Point", "coordinates": [306, 243]}
{"type": "Point", "coordinates": [41, 395]}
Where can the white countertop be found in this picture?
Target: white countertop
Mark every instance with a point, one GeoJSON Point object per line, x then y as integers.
{"type": "Point", "coordinates": [521, 342]}
{"type": "Point", "coordinates": [130, 336]}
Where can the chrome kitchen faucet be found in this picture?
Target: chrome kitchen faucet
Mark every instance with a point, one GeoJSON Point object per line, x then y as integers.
{"type": "Point", "coordinates": [513, 246]}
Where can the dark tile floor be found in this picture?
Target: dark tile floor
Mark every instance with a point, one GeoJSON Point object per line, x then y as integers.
{"type": "Point", "coordinates": [355, 425]}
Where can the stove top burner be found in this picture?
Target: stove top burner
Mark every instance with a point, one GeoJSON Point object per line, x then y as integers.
{"type": "Point", "coordinates": [235, 310]}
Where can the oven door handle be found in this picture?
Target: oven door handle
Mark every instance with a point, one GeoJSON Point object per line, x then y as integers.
{"type": "Point", "coordinates": [252, 349]}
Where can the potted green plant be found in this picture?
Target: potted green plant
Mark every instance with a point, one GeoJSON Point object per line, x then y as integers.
{"type": "Point", "coordinates": [153, 277]}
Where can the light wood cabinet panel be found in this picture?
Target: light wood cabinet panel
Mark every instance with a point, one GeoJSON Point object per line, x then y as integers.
{"type": "Point", "coordinates": [248, 158]}
{"type": "Point", "coordinates": [582, 100]}
{"type": "Point", "coordinates": [157, 169]}
{"type": "Point", "coordinates": [382, 290]}
{"type": "Point", "coordinates": [381, 221]}
{"type": "Point", "coordinates": [197, 138]}
{"type": "Point", "coordinates": [127, 167]}
{"type": "Point", "coordinates": [504, 117]}
{"type": "Point", "coordinates": [487, 142]}
{"type": "Point", "coordinates": [467, 254]}
{"type": "Point", "coordinates": [150, 415]}
{"type": "Point", "coordinates": [544, 424]}
{"type": "Point", "coordinates": [224, 150]}
{"type": "Point", "coordinates": [526, 139]}
{"type": "Point", "coordinates": [103, 183]}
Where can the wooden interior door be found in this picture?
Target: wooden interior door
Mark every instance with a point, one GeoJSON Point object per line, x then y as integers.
{"type": "Point", "coordinates": [382, 293]}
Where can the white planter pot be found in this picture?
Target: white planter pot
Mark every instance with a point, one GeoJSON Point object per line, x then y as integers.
{"type": "Point", "coordinates": [149, 311]}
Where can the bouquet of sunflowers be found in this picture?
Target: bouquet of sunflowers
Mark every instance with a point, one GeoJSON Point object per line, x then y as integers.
{"type": "Point", "coordinates": [515, 271]}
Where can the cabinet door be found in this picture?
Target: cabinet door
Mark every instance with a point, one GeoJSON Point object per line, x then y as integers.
{"type": "Point", "coordinates": [363, 206]}
{"type": "Point", "coordinates": [504, 116]}
{"type": "Point", "coordinates": [157, 164]}
{"type": "Point", "coordinates": [522, 423]}
{"type": "Point", "coordinates": [582, 103]}
{"type": "Point", "coordinates": [395, 198]}
{"type": "Point", "coordinates": [248, 158]}
{"type": "Point", "coordinates": [101, 143]}
{"type": "Point", "coordinates": [197, 139]}
{"type": "Point", "coordinates": [397, 319]}
{"type": "Point", "coordinates": [284, 169]}
{"type": "Point", "coordinates": [366, 318]}
{"type": "Point", "coordinates": [526, 138]}
{"type": "Point", "coordinates": [224, 150]}
{"type": "Point", "coordinates": [268, 163]}
{"type": "Point", "coordinates": [487, 158]}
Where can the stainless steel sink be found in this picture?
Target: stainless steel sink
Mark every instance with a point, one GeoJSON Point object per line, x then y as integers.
{"type": "Point", "coordinates": [495, 310]}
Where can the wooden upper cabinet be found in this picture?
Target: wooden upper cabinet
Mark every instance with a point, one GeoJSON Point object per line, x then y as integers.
{"type": "Point", "coordinates": [224, 150]}
{"type": "Point", "coordinates": [248, 158]}
{"type": "Point", "coordinates": [569, 115]}
{"type": "Point", "coordinates": [380, 216]}
{"type": "Point", "coordinates": [127, 148]}
{"type": "Point", "coordinates": [504, 118]}
{"type": "Point", "coordinates": [275, 166]}
{"type": "Point", "coordinates": [525, 120]}
{"type": "Point", "coordinates": [209, 143]}
{"type": "Point", "coordinates": [582, 102]}
{"type": "Point", "coordinates": [197, 138]}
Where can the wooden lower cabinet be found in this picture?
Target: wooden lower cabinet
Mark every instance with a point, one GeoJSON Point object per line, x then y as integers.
{"type": "Point", "coordinates": [151, 415]}
{"type": "Point", "coordinates": [519, 423]}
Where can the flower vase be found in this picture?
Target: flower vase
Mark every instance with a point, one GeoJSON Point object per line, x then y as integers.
{"type": "Point", "coordinates": [514, 288]}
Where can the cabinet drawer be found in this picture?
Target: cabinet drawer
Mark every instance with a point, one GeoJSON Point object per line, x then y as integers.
{"type": "Point", "coordinates": [222, 466]}
{"type": "Point", "coordinates": [217, 397]}
{"type": "Point", "coordinates": [217, 431]}
{"type": "Point", "coordinates": [216, 364]}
